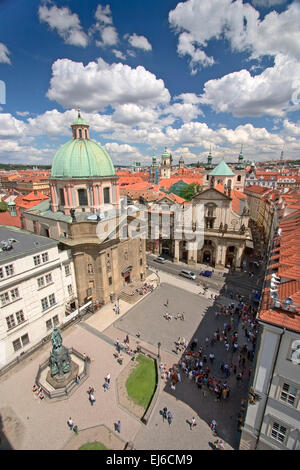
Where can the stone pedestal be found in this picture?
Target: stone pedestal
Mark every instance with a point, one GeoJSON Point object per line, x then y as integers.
{"type": "Point", "coordinates": [61, 381]}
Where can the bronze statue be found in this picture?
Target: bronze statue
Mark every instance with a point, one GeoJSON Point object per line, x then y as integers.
{"type": "Point", "coordinates": [60, 361]}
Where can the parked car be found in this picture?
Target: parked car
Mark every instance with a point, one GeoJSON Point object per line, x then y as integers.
{"type": "Point", "coordinates": [160, 259]}
{"type": "Point", "coordinates": [188, 274]}
{"type": "Point", "coordinates": [206, 273]}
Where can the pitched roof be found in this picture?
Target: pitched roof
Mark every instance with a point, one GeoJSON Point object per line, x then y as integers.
{"type": "Point", "coordinates": [222, 169]}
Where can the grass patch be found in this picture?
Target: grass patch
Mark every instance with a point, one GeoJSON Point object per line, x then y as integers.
{"type": "Point", "coordinates": [93, 446]}
{"type": "Point", "coordinates": [141, 383]}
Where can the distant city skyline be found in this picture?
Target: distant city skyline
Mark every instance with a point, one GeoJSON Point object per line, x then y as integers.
{"type": "Point", "coordinates": [188, 76]}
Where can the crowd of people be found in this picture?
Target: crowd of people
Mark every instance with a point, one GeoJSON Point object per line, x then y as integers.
{"type": "Point", "coordinates": [211, 368]}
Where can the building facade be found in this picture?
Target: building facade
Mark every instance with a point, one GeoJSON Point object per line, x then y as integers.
{"type": "Point", "coordinates": [37, 290]}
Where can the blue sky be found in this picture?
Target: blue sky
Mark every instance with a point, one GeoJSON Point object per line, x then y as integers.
{"type": "Point", "coordinates": [151, 74]}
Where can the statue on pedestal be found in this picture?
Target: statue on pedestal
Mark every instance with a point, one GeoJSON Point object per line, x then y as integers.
{"type": "Point", "coordinates": [60, 361]}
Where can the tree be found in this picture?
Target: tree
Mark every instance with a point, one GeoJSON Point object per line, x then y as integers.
{"type": "Point", "coordinates": [189, 191]}
{"type": "Point", "coordinates": [3, 206]}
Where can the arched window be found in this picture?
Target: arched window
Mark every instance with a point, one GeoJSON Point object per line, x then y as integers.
{"type": "Point", "coordinates": [86, 134]}
{"type": "Point", "coordinates": [239, 178]}
{"type": "Point", "coordinates": [80, 133]}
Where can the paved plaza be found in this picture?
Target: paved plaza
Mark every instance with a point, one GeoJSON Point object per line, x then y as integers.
{"type": "Point", "coordinates": [147, 316]}
{"type": "Point", "coordinates": [30, 423]}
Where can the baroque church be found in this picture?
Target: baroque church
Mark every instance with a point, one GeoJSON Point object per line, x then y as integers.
{"type": "Point", "coordinates": [86, 217]}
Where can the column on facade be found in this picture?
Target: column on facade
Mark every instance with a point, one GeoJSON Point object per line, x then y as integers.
{"type": "Point", "coordinates": [99, 194]}
{"type": "Point", "coordinates": [70, 196]}
{"type": "Point", "coordinates": [65, 196]}
{"type": "Point", "coordinates": [220, 255]}
{"type": "Point", "coordinates": [238, 257]}
{"type": "Point", "coordinates": [176, 251]}
{"type": "Point", "coordinates": [94, 196]}
{"type": "Point", "coordinates": [53, 199]}
{"type": "Point", "coordinates": [192, 252]}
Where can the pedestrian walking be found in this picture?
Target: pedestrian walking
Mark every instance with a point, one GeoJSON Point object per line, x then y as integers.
{"type": "Point", "coordinates": [106, 385]}
{"type": "Point", "coordinates": [70, 423]}
{"type": "Point", "coordinates": [193, 422]}
{"type": "Point", "coordinates": [164, 413]}
{"type": "Point", "coordinates": [92, 399]}
{"type": "Point", "coordinates": [107, 378]}
{"type": "Point", "coordinates": [119, 426]}
{"type": "Point", "coordinates": [170, 418]}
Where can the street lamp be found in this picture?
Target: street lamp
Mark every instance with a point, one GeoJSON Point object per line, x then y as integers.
{"type": "Point", "coordinates": [158, 354]}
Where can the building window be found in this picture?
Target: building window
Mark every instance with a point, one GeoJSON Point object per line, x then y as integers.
{"type": "Point", "coordinates": [9, 270]}
{"type": "Point", "coordinates": [17, 344]}
{"type": "Point", "coordinates": [37, 260]}
{"type": "Point", "coordinates": [239, 178]}
{"type": "Point", "coordinates": [48, 278]}
{"type": "Point", "coordinates": [1, 273]}
{"type": "Point", "coordinates": [20, 342]}
{"type": "Point", "coordinates": [70, 289]}
{"type": "Point", "coordinates": [52, 299]}
{"type": "Point", "coordinates": [44, 303]}
{"type": "Point", "coordinates": [20, 316]}
{"type": "Point", "coordinates": [49, 324]}
{"type": "Point", "coordinates": [14, 293]}
{"type": "Point", "coordinates": [10, 320]}
{"type": "Point", "coordinates": [62, 196]}
{"type": "Point", "coordinates": [106, 193]}
{"type": "Point", "coordinates": [278, 432]}
{"type": "Point", "coordinates": [141, 262]}
{"type": "Point", "coordinates": [90, 269]}
{"type": "Point", "coordinates": [55, 320]}
{"type": "Point", "coordinates": [40, 282]}
{"type": "Point", "coordinates": [67, 270]}
{"type": "Point", "coordinates": [82, 197]}
{"type": "Point", "coordinates": [45, 257]}
{"type": "Point", "coordinates": [4, 299]}
{"type": "Point", "coordinates": [25, 339]}
{"type": "Point", "coordinates": [288, 394]}
{"type": "Point", "coordinates": [110, 280]}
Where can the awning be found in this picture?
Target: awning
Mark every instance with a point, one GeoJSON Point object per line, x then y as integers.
{"type": "Point", "coordinates": [249, 244]}
{"type": "Point", "coordinates": [125, 270]}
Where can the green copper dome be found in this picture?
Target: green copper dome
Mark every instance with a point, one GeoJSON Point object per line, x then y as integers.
{"type": "Point", "coordinates": [79, 121]}
{"type": "Point", "coordinates": [82, 158]}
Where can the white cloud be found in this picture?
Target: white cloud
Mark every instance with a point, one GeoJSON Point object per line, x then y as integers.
{"type": "Point", "coordinates": [18, 137]}
{"type": "Point", "coordinates": [103, 14]}
{"type": "Point", "coordinates": [22, 113]}
{"type": "Point", "coordinates": [99, 84]}
{"type": "Point", "coordinates": [139, 42]}
{"type": "Point", "coordinates": [119, 54]}
{"type": "Point", "coordinates": [197, 22]}
{"type": "Point", "coordinates": [104, 27]}
{"type": "Point", "coordinates": [242, 94]}
{"type": "Point", "coordinates": [4, 54]}
{"type": "Point", "coordinates": [65, 22]}
{"type": "Point", "coordinates": [122, 153]}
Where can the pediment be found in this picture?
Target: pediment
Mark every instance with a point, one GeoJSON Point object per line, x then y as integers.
{"type": "Point", "coordinates": [210, 194]}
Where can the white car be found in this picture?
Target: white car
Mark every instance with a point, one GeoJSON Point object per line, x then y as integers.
{"type": "Point", "coordinates": [160, 259]}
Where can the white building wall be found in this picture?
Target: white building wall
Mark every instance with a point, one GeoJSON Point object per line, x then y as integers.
{"type": "Point", "coordinates": [25, 279]}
